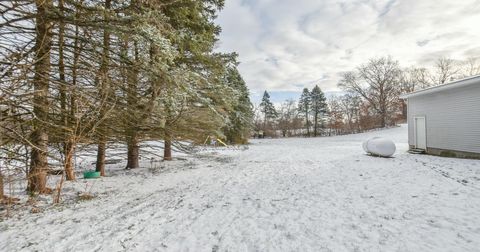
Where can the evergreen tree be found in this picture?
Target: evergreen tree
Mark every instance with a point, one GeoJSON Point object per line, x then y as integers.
{"type": "Point", "coordinates": [319, 108]}
{"type": "Point", "coordinates": [195, 36]}
{"type": "Point", "coordinates": [111, 71]}
{"type": "Point", "coordinates": [267, 108]}
{"type": "Point", "coordinates": [241, 115]}
{"type": "Point", "coordinates": [304, 107]}
{"type": "Point", "coordinates": [37, 176]}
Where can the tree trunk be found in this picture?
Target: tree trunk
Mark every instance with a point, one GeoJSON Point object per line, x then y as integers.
{"type": "Point", "coordinates": [383, 112]}
{"type": "Point", "coordinates": [100, 165]}
{"type": "Point", "coordinates": [133, 151]}
{"type": "Point", "coordinates": [69, 150]}
{"type": "Point", "coordinates": [167, 152]}
{"type": "Point", "coordinates": [167, 149]}
{"type": "Point", "coordinates": [103, 88]}
{"type": "Point", "coordinates": [37, 176]}
{"type": "Point", "coordinates": [307, 123]}
{"type": "Point", "coordinates": [70, 143]}
{"type": "Point", "coordinates": [1, 187]}
{"type": "Point", "coordinates": [67, 143]}
{"type": "Point", "coordinates": [404, 110]}
{"type": "Point", "coordinates": [265, 123]}
{"type": "Point", "coordinates": [76, 56]}
{"type": "Point", "coordinates": [383, 120]}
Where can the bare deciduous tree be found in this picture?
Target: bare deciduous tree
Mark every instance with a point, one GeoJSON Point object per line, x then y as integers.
{"type": "Point", "coordinates": [471, 67]}
{"type": "Point", "coordinates": [287, 117]}
{"type": "Point", "coordinates": [378, 83]}
{"type": "Point", "coordinates": [446, 69]}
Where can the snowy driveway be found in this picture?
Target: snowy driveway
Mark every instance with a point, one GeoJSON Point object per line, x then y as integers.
{"type": "Point", "coordinates": [318, 194]}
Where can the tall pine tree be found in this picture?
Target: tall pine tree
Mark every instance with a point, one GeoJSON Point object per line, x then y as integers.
{"type": "Point", "coordinates": [241, 116]}
{"type": "Point", "coordinates": [304, 107]}
{"type": "Point", "coordinates": [267, 108]}
{"type": "Point", "coordinates": [319, 108]}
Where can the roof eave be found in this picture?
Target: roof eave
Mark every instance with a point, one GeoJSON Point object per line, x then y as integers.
{"type": "Point", "coordinates": [448, 86]}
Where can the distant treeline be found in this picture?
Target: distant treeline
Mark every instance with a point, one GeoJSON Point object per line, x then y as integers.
{"type": "Point", "coordinates": [370, 100]}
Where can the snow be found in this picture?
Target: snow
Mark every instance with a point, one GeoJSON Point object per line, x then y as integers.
{"type": "Point", "coordinates": [295, 194]}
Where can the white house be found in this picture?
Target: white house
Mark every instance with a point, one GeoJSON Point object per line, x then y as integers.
{"type": "Point", "coordinates": [445, 120]}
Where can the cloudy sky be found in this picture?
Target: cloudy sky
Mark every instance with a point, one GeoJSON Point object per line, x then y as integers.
{"type": "Point", "coordinates": [285, 45]}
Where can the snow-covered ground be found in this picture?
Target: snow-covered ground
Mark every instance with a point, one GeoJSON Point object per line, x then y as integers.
{"type": "Point", "coordinates": [297, 194]}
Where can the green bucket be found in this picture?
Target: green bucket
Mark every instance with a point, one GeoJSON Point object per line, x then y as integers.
{"type": "Point", "coordinates": [91, 174]}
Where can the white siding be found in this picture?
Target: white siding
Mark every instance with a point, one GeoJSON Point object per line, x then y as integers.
{"type": "Point", "coordinates": [452, 118]}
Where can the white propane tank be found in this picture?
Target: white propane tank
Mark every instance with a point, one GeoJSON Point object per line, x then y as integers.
{"type": "Point", "coordinates": [379, 146]}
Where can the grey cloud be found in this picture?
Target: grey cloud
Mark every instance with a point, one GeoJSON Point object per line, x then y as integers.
{"type": "Point", "coordinates": [422, 43]}
{"type": "Point", "coordinates": [387, 8]}
{"type": "Point", "coordinates": [284, 43]}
